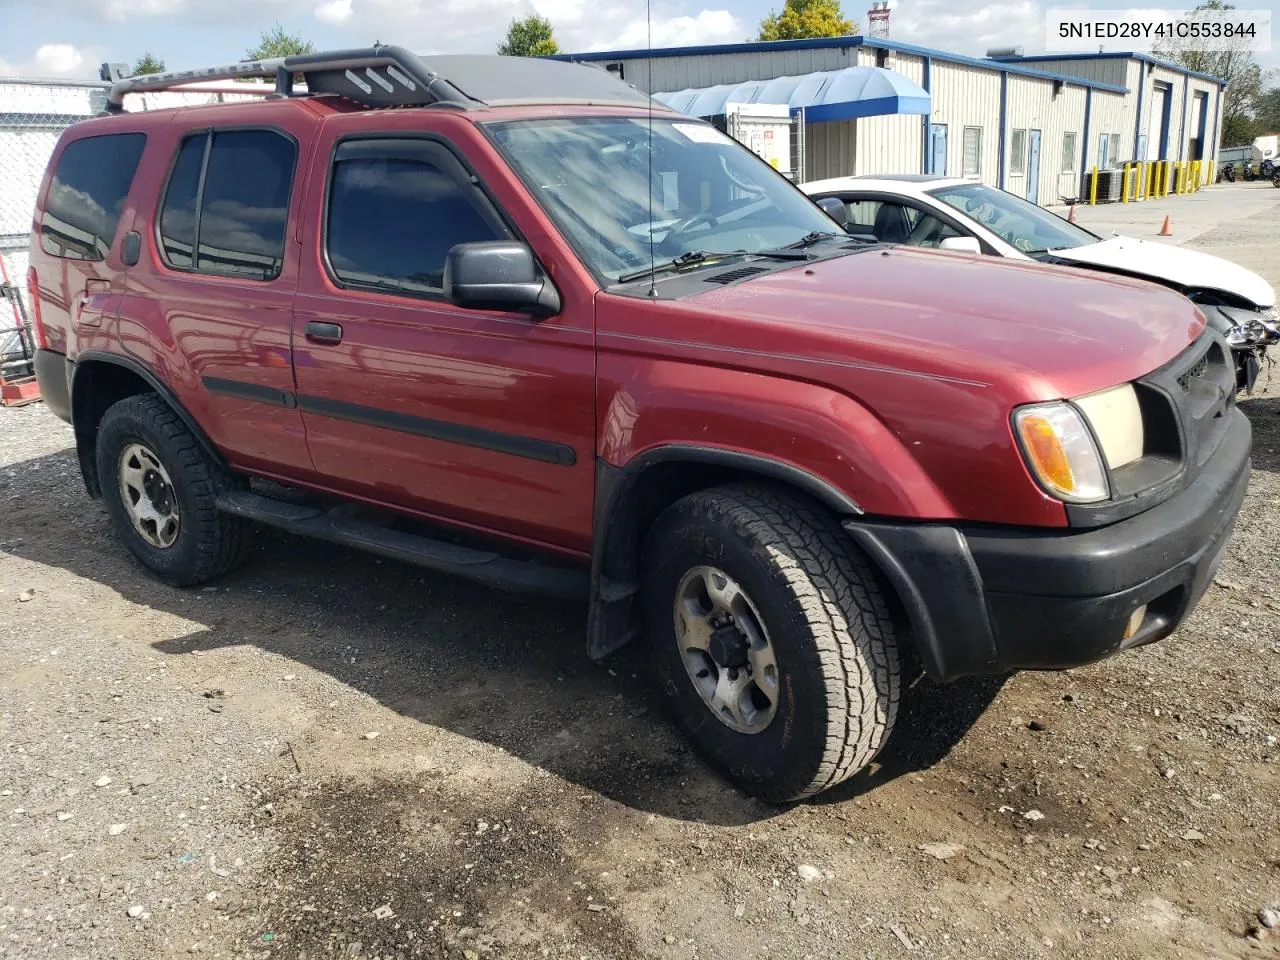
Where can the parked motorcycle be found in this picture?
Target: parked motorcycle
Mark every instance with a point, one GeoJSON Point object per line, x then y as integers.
{"type": "Point", "coordinates": [1267, 170]}
{"type": "Point", "coordinates": [1227, 172]}
{"type": "Point", "coordinates": [1250, 170]}
{"type": "Point", "coordinates": [1275, 178]}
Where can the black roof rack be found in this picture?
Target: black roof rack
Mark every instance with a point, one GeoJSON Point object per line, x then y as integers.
{"type": "Point", "coordinates": [390, 76]}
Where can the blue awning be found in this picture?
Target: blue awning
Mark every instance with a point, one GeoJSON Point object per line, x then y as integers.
{"type": "Point", "coordinates": [832, 95]}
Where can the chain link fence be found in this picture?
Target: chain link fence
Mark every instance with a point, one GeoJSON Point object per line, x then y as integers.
{"type": "Point", "coordinates": [33, 114]}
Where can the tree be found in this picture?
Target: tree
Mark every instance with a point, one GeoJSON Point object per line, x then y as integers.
{"type": "Point", "coordinates": [276, 43]}
{"type": "Point", "coordinates": [148, 64]}
{"type": "Point", "coordinates": [800, 19]}
{"type": "Point", "coordinates": [1234, 63]}
{"type": "Point", "coordinates": [1269, 111]}
{"type": "Point", "coordinates": [529, 37]}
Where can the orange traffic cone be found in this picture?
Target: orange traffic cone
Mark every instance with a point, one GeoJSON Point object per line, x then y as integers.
{"type": "Point", "coordinates": [1071, 214]}
{"type": "Point", "coordinates": [1166, 230]}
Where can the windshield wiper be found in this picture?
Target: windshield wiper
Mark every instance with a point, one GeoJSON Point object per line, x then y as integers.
{"type": "Point", "coordinates": [688, 260]}
{"type": "Point", "coordinates": [809, 239]}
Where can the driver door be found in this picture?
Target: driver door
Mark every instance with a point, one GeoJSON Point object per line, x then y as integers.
{"type": "Point", "coordinates": [481, 418]}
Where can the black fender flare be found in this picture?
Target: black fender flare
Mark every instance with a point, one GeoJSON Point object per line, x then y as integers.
{"type": "Point", "coordinates": [156, 384]}
{"type": "Point", "coordinates": [611, 622]}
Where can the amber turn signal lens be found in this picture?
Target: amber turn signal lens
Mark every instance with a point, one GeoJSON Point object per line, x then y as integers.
{"type": "Point", "coordinates": [1048, 458]}
{"type": "Point", "coordinates": [1060, 452]}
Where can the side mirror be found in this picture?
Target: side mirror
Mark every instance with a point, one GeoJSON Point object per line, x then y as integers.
{"type": "Point", "coordinates": [834, 208]}
{"type": "Point", "coordinates": [961, 245]}
{"type": "Point", "coordinates": [498, 275]}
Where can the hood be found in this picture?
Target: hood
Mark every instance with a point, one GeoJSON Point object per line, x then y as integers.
{"type": "Point", "coordinates": [1042, 332]}
{"type": "Point", "coordinates": [1170, 264]}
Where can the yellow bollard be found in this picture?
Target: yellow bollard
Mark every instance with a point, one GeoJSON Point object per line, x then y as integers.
{"type": "Point", "coordinates": [1093, 188]}
{"type": "Point", "coordinates": [1124, 186]}
{"type": "Point", "coordinates": [1151, 179]}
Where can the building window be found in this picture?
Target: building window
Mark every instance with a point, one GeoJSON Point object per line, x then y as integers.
{"type": "Point", "coordinates": [972, 164]}
{"type": "Point", "coordinates": [882, 58]}
{"type": "Point", "coordinates": [1069, 152]}
{"type": "Point", "coordinates": [1018, 154]}
{"type": "Point", "coordinates": [1114, 152]}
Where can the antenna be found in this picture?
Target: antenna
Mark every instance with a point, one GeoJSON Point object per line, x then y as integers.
{"type": "Point", "coordinates": [648, 82]}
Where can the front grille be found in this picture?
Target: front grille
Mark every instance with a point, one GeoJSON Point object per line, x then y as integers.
{"type": "Point", "coordinates": [1196, 373]}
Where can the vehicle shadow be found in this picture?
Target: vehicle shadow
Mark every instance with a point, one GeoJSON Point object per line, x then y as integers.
{"type": "Point", "coordinates": [506, 670]}
{"type": "Point", "coordinates": [1264, 415]}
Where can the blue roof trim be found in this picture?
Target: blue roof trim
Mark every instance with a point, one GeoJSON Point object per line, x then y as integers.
{"type": "Point", "coordinates": [1144, 57]}
{"type": "Point", "coordinates": [824, 95]}
{"type": "Point", "coordinates": [837, 43]}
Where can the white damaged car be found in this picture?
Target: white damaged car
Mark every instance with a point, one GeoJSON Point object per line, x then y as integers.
{"type": "Point", "coordinates": [967, 216]}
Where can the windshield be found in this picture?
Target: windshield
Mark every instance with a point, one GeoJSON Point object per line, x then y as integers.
{"type": "Point", "coordinates": [710, 194]}
{"type": "Point", "coordinates": [1022, 224]}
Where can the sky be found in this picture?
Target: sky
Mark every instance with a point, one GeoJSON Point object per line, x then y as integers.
{"type": "Point", "coordinates": [71, 38]}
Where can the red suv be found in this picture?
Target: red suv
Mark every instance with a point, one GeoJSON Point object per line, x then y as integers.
{"type": "Point", "coordinates": [533, 329]}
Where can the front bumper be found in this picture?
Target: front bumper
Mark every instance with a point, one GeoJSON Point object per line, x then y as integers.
{"type": "Point", "coordinates": [990, 600]}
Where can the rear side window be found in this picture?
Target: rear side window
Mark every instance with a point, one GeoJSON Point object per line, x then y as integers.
{"type": "Point", "coordinates": [227, 204]}
{"type": "Point", "coordinates": [87, 194]}
{"type": "Point", "coordinates": [395, 210]}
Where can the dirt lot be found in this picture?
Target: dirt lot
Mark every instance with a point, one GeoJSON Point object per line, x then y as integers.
{"type": "Point", "coordinates": [331, 756]}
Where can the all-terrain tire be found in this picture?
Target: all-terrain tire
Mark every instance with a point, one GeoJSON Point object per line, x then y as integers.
{"type": "Point", "coordinates": [838, 664]}
{"type": "Point", "coordinates": [209, 543]}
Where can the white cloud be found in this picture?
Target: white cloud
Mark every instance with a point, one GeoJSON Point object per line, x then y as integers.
{"type": "Point", "coordinates": [58, 59]}
{"type": "Point", "coordinates": [968, 26]}
{"type": "Point", "coordinates": [334, 11]}
{"type": "Point", "coordinates": [709, 26]}
{"type": "Point", "coordinates": [122, 11]}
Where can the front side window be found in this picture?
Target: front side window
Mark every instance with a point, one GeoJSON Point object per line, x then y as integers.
{"type": "Point", "coordinates": [228, 201]}
{"type": "Point", "coordinates": [1018, 153]}
{"type": "Point", "coordinates": [1020, 223]}
{"type": "Point", "coordinates": [709, 193]}
{"type": "Point", "coordinates": [86, 196]}
{"type": "Point", "coordinates": [396, 208]}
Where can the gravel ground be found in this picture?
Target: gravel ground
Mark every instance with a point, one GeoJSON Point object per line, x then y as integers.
{"type": "Point", "coordinates": [331, 756]}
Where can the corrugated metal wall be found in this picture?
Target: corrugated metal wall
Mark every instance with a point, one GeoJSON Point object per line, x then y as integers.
{"type": "Point", "coordinates": [1110, 70]}
{"type": "Point", "coordinates": [829, 150]}
{"type": "Point", "coordinates": [965, 96]}
{"type": "Point", "coordinates": [889, 145]}
{"type": "Point", "coordinates": [1111, 116]}
{"type": "Point", "coordinates": [1032, 106]}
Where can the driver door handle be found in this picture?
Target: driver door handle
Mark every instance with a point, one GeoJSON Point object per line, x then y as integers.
{"type": "Point", "coordinates": [327, 334]}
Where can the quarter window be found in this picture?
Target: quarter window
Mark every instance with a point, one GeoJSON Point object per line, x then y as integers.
{"type": "Point", "coordinates": [228, 200]}
{"type": "Point", "coordinates": [87, 194]}
{"type": "Point", "coordinates": [396, 208]}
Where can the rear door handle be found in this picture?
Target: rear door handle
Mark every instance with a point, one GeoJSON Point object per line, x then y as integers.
{"type": "Point", "coordinates": [326, 333]}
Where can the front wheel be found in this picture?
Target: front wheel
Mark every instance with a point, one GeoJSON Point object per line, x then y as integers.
{"type": "Point", "coordinates": [160, 486]}
{"type": "Point", "coordinates": [771, 640]}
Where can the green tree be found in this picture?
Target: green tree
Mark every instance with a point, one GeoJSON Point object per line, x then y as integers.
{"type": "Point", "coordinates": [529, 37]}
{"type": "Point", "coordinates": [1269, 111]}
{"type": "Point", "coordinates": [147, 63]}
{"type": "Point", "coordinates": [801, 19]}
{"type": "Point", "coordinates": [277, 43]}
{"type": "Point", "coordinates": [1235, 64]}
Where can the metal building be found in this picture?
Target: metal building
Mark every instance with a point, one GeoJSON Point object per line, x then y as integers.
{"type": "Point", "coordinates": [1031, 125]}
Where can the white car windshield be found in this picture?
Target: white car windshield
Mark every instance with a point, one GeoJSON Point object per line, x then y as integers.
{"type": "Point", "coordinates": [710, 194]}
{"type": "Point", "coordinates": [1020, 223]}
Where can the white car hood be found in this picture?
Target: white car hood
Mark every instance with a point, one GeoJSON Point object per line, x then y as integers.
{"type": "Point", "coordinates": [1161, 261]}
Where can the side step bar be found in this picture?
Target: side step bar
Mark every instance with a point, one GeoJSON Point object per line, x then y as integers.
{"type": "Point", "coordinates": [336, 526]}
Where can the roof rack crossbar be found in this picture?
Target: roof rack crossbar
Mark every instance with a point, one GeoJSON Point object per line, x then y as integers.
{"type": "Point", "coordinates": [378, 76]}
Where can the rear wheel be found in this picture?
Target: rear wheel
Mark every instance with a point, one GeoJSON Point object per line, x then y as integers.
{"type": "Point", "coordinates": [771, 640]}
{"type": "Point", "coordinates": [159, 486]}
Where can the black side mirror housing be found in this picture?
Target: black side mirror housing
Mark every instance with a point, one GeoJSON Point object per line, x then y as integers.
{"type": "Point", "coordinates": [834, 208]}
{"type": "Point", "coordinates": [498, 275]}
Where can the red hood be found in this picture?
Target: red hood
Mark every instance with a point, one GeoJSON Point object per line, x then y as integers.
{"type": "Point", "coordinates": [1042, 332]}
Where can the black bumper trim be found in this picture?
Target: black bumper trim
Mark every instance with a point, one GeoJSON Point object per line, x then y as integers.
{"type": "Point", "coordinates": [989, 600]}
{"type": "Point", "coordinates": [53, 374]}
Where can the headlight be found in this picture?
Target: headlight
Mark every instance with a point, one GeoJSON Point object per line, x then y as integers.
{"type": "Point", "coordinates": [1060, 451]}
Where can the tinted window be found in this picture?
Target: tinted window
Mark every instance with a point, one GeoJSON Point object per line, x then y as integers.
{"type": "Point", "coordinates": [87, 194]}
{"type": "Point", "coordinates": [238, 214]}
{"type": "Point", "coordinates": [178, 215]}
{"type": "Point", "coordinates": [1026, 226]}
{"type": "Point", "coordinates": [393, 219]}
{"type": "Point", "coordinates": [244, 205]}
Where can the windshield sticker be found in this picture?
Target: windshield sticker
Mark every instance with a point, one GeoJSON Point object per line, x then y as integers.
{"type": "Point", "coordinates": [700, 132]}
